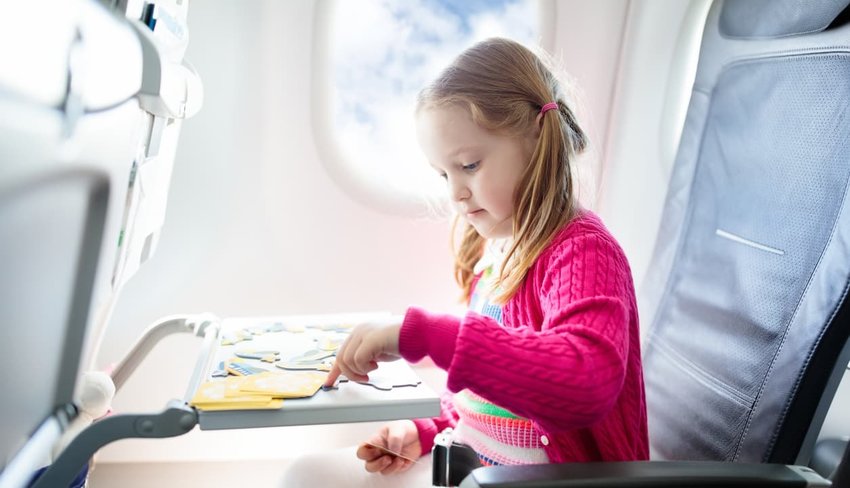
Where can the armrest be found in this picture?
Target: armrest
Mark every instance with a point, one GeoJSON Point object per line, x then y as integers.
{"type": "Point", "coordinates": [683, 474]}
{"type": "Point", "coordinates": [827, 456]}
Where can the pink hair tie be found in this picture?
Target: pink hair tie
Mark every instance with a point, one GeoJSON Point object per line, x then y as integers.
{"type": "Point", "coordinates": [549, 106]}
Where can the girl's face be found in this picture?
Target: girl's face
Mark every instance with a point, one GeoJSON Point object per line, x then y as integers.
{"type": "Point", "coordinates": [482, 169]}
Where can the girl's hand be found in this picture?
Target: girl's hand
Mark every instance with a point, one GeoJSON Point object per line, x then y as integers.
{"type": "Point", "coordinates": [400, 437]}
{"type": "Point", "coordinates": [366, 345]}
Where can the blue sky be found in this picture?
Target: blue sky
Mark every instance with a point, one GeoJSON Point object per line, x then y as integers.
{"type": "Point", "coordinates": [385, 51]}
{"type": "Point", "coordinates": [466, 10]}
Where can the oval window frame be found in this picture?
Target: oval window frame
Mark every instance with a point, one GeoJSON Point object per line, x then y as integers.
{"type": "Point", "coordinates": [357, 184]}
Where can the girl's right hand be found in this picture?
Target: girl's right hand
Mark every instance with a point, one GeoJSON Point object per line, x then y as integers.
{"type": "Point", "coordinates": [366, 344]}
{"type": "Point", "coordinates": [400, 436]}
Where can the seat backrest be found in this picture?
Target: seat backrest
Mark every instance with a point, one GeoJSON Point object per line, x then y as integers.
{"type": "Point", "coordinates": [745, 297]}
{"type": "Point", "coordinates": [88, 135]}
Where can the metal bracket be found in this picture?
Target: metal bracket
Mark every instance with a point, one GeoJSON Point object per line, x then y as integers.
{"type": "Point", "coordinates": [177, 419]}
{"type": "Point", "coordinates": [195, 324]}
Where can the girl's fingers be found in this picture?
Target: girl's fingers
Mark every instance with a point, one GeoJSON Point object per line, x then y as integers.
{"type": "Point", "coordinates": [395, 436]}
{"type": "Point", "coordinates": [343, 363]}
{"type": "Point", "coordinates": [368, 453]}
{"type": "Point", "coordinates": [365, 345]}
{"type": "Point", "coordinates": [345, 355]}
{"type": "Point", "coordinates": [363, 359]}
{"type": "Point", "coordinates": [397, 464]}
{"type": "Point", "coordinates": [333, 374]}
{"type": "Point", "coordinates": [378, 465]}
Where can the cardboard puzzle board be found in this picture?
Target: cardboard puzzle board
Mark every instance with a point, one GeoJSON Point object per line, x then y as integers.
{"type": "Point", "coordinates": [264, 363]}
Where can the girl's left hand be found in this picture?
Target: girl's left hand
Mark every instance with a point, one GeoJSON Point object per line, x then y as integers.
{"type": "Point", "coordinates": [401, 439]}
{"type": "Point", "coordinates": [367, 344]}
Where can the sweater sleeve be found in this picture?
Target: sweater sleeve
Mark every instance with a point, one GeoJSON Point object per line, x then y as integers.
{"type": "Point", "coordinates": [425, 334]}
{"type": "Point", "coordinates": [429, 428]}
{"type": "Point", "coordinates": [565, 373]}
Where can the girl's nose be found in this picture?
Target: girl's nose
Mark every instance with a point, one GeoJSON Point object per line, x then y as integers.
{"type": "Point", "coordinates": [458, 191]}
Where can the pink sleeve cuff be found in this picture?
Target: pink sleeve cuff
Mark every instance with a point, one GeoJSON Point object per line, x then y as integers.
{"type": "Point", "coordinates": [427, 431]}
{"type": "Point", "coordinates": [427, 334]}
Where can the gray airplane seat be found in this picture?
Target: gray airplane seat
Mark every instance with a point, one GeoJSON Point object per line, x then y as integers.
{"type": "Point", "coordinates": [745, 302]}
{"type": "Point", "coordinates": [91, 103]}
{"type": "Point", "coordinates": [745, 305]}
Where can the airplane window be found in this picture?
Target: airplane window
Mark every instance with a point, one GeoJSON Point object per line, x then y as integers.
{"type": "Point", "coordinates": [380, 54]}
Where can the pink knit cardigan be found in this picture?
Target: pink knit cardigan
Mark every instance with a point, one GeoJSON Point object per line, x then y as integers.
{"type": "Point", "coordinates": [567, 357]}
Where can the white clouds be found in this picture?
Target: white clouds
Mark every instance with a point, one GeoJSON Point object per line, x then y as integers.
{"type": "Point", "coordinates": [384, 52]}
{"type": "Point", "coordinates": [522, 26]}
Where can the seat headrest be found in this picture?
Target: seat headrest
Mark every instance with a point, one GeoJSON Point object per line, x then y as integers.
{"type": "Point", "coordinates": [777, 18]}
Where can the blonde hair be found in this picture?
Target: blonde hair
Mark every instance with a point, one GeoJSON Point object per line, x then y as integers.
{"type": "Point", "coordinates": [504, 85]}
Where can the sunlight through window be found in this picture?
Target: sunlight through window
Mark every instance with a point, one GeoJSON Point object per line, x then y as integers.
{"type": "Point", "coordinates": [383, 52]}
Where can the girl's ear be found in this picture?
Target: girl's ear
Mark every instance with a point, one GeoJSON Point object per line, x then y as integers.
{"type": "Point", "coordinates": [534, 132]}
{"type": "Point", "coordinates": [538, 124]}
{"type": "Point", "coordinates": [532, 136]}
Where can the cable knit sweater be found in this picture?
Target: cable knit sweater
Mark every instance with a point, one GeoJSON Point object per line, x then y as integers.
{"type": "Point", "coordinates": [567, 357]}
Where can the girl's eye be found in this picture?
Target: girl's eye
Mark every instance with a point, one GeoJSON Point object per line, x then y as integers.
{"type": "Point", "coordinates": [471, 166]}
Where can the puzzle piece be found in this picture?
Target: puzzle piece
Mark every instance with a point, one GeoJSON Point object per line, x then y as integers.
{"type": "Point", "coordinates": [284, 384]}
{"type": "Point", "coordinates": [256, 330]}
{"type": "Point", "coordinates": [293, 328]}
{"type": "Point", "coordinates": [319, 365]}
{"type": "Point", "coordinates": [333, 327]}
{"type": "Point", "coordinates": [241, 368]}
{"type": "Point", "coordinates": [387, 384]}
{"type": "Point", "coordinates": [393, 374]}
{"type": "Point", "coordinates": [275, 327]}
{"type": "Point", "coordinates": [331, 344]}
{"type": "Point", "coordinates": [267, 356]}
{"type": "Point", "coordinates": [226, 395]}
{"type": "Point", "coordinates": [335, 386]}
{"type": "Point", "coordinates": [235, 337]}
{"type": "Point", "coordinates": [312, 355]}
{"type": "Point", "coordinates": [220, 372]}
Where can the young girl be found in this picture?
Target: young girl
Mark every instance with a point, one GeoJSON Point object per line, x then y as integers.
{"type": "Point", "coordinates": [545, 367]}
